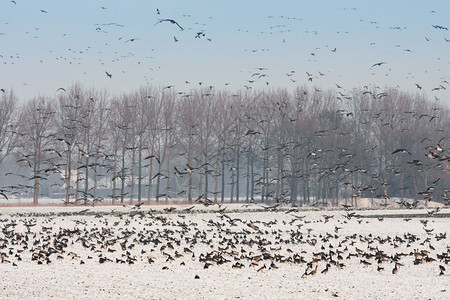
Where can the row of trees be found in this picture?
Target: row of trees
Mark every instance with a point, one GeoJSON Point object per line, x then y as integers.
{"type": "Point", "coordinates": [302, 146]}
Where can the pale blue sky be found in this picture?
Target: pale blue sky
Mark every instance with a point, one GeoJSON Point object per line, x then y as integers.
{"type": "Point", "coordinates": [77, 41]}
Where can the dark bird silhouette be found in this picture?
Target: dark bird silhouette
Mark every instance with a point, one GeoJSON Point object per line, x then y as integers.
{"type": "Point", "coordinates": [53, 151]}
{"type": "Point", "coordinates": [379, 64]}
{"type": "Point", "coordinates": [169, 20]}
{"type": "Point", "coordinates": [4, 195]}
{"type": "Point", "coordinates": [401, 150]}
{"type": "Point", "coordinates": [188, 209]}
{"type": "Point", "coordinates": [440, 27]}
{"type": "Point", "coordinates": [442, 269]}
{"type": "Point", "coordinates": [178, 172]}
{"type": "Point", "coordinates": [199, 34]}
{"type": "Point", "coordinates": [395, 269]}
{"type": "Point", "coordinates": [153, 156]}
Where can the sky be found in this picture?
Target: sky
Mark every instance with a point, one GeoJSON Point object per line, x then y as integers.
{"type": "Point", "coordinates": [46, 45]}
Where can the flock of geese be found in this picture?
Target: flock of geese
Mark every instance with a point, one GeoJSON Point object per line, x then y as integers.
{"type": "Point", "coordinates": [274, 30]}
{"type": "Point", "coordinates": [187, 237]}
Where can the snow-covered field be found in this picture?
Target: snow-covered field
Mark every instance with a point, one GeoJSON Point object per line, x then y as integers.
{"type": "Point", "coordinates": [137, 253]}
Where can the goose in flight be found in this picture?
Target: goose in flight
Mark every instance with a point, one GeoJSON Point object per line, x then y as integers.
{"type": "Point", "coordinates": [378, 64]}
{"type": "Point", "coordinates": [169, 20]}
{"type": "Point", "coordinates": [401, 150]}
{"type": "Point", "coordinates": [4, 195]}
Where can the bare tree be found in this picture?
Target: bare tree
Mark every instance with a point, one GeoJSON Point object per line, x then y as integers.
{"type": "Point", "coordinates": [68, 121]}
{"type": "Point", "coordinates": [308, 147]}
{"type": "Point", "coordinates": [153, 114]}
{"type": "Point", "coordinates": [8, 124]}
{"type": "Point", "coordinates": [165, 142]}
{"type": "Point", "coordinates": [37, 135]}
{"type": "Point", "coordinates": [100, 126]}
{"type": "Point", "coordinates": [221, 135]}
{"type": "Point", "coordinates": [142, 124]}
{"type": "Point", "coordinates": [121, 134]}
{"type": "Point", "coordinates": [188, 116]}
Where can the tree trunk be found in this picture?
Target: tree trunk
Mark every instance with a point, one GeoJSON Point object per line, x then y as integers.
{"type": "Point", "coordinates": [158, 181]}
{"type": "Point", "coordinates": [169, 158]}
{"type": "Point", "coordinates": [77, 192]}
{"type": "Point", "coordinates": [216, 179]}
{"type": "Point", "coordinates": [200, 183]}
{"type": "Point", "coordinates": [279, 168]}
{"type": "Point", "coordinates": [95, 178]}
{"type": "Point", "coordinates": [86, 184]}
{"type": "Point", "coordinates": [68, 171]}
{"type": "Point", "coordinates": [264, 186]}
{"type": "Point", "coordinates": [206, 176]}
{"type": "Point", "coordinates": [191, 176]}
{"type": "Point", "coordinates": [252, 176]}
{"type": "Point", "coordinates": [150, 174]}
{"type": "Point", "coordinates": [293, 181]}
{"type": "Point", "coordinates": [140, 170]}
{"type": "Point", "coordinates": [122, 176]}
{"type": "Point", "coordinates": [223, 178]}
{"type": "Point", "coordinates": [232, 184]}
{"type": "Point", "coordinates": [150, 182]}
{"type": "Point", "coordinates": [133, 164]}
{"type": "Point", "coordinates": [247, 190]}
{"type": "Point", "coordinates": [114, 182]}
{"type": "Point", "coordinates": [238, 170]}
{"type": "Point", "coordinates": [37, 177]}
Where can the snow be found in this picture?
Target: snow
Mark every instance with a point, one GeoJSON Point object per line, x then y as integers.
{"type": "Point", "coordinates": [69, 279]}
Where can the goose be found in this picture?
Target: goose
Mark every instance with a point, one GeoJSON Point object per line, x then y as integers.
{"type": "Point", "coordinates": [169, 20]}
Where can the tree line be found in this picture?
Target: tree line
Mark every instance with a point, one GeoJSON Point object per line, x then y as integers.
{"type": "Point", "coordinates": [303, 147]}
